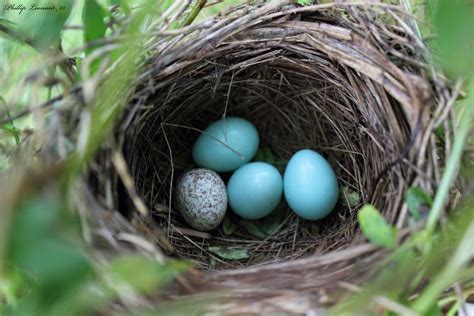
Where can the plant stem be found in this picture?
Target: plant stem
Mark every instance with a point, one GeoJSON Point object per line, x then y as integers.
{"type": "Point", "coordinates": [450, 274]}
{"type": "Point", "coordinates": [408, 7]}
{"type": "Point", "coordinates": [194, 13]}
{"type": "Point", "coordinates": [453, 162]}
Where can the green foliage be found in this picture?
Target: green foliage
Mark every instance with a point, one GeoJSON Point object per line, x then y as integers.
{"type": "Point", "coordinates": [386, 282]}
{"type": "Point", "coordinates": [265, 155]}
{"type": "Point", "coordinates": [304, 2]}
{"type": "Point", "coordinates": [230, 253]}
{"type": "Point", "coordinates": [418, 202]}
{"type": "Point", "coordinates": [253, 228]}
{"type": "Point", "coordinates": [42, 250]}
{"type": "Point", "coordinates": [434, 311]}
{"type": "Point", "coordinates": [45, 270]}
{"type": "Point", "coordinates": [72, 40]}
{"type": "Point", "coordinates": [44, 27]}
{"type": "Point", "coordinates": [143, 274]}
{"type": "Point", "coordinates": [454, 22]}
{"type": "Point", "coordinates": [94, 26]}
{"type": "Point", "coordinates": [271, 223]}
{"type": "Point", "coordinates": [349, 197]}
{"type": "Point", "coordinates": [11, 288]}
{"type": "Point", "coordinates": [267, 226]}
{"type": "Point", "coordinates": [110, 99]}
{"type": "Point", "coordinates": [195, 10]}
{"type": "Point", "coordinates": [228, 226]}
{"type": "Point", "coordinates": [4, 20]}
{"type": "Point", "coordinates": [441, 257]}
{"type": "Point", "coordinates": [375, 228]}
{"type": "Point", "coordinates": [13, 131]}
{"type": "Point", "coordinates": [449, 258]}
{"type": "Point", "coordinates": [124, 5]}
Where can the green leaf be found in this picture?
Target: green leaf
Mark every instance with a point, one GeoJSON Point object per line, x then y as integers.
{"type": "Point", "coordinates": [8, 291]}
{"type": "Point", "coordinates": [144, 274]}
{"type": "Point", "coordinates": [267, 152]}
{"type": "Point", "coordinates": [454, 22]}
{"type": "Point", "coordinates": [44, 27]}
{"type": "Point", "coordinates": [230, 253]}
{"type": "Point", "coordinates": [422, 241]}
{"type": "Point", "coordinates": [349, 196]}
{"type": "Point", "coordinates": [94, 26]}
{"type": "Point", "coordinates": [12, 130]}
{"type": "Point", "coordinates": [417, 199]}
{"type": "Point", "coordinates": [252, 228]}
{"type": "Point", "coordinates": [78, 67]}
{"type": "Point", "coordinates": [434, 311]}
{"type": "Point", "coordinates": [228, 226]}
{"type": "Point", "coordinates": [54, 263]}
{"type": "Point", "coordinates": [212, 263]}
{"type": "Point", "coordinates": [125, 7]}
{"type": "Point", "coordinates": [375, 228]}
{"type": "Point", "coordinates": [265, 155]}
{"type": "Point", "coordinates": [440, 132]}
{"type": "Point", "coordinates": [272, 222]}
{"type": "Point", "coordinates": [259, 156]}
{"type": "Point", "coordinates": [112, 95]}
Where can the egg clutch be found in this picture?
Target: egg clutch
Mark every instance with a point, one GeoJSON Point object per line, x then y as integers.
{"type": "Point", "coordinates": [254, 189]}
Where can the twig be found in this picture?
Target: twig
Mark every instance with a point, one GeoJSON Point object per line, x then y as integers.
{"type": "Point", "coordinates": [191, 232]}
{"type": "Point", "coordinates": [172, 177]}
{"type": "Point", "coordinates": [121, 166]}
{"type": "Point", "coordinates": [209, 135]}
{"type": "Point", "coordinates": [407, 6]}
{"type": "Point", "coordinates": [459, 294]}
{"type": "Point", "coordinates": [65, 66]}
{"type": "Point", "coordinates": [394, 306]}
{"type": "Point", "coordinates": [39, 107]}
{"type": "Point", "coordinates": [228, 96]}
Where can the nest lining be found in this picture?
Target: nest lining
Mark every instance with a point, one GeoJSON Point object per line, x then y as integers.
{"type": "Point", "coordinates": [308, 80]}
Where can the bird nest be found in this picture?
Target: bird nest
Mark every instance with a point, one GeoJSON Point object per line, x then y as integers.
{"type": "Point", "coordinates": [352, 82]}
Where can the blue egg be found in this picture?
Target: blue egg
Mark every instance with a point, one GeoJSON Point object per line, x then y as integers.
{"type": "Point", "coordinates": [255, 190]}
{"type": "Point", "coordinates": [226, 145]}
{"type": "Point", "coordinates": [310, 185]}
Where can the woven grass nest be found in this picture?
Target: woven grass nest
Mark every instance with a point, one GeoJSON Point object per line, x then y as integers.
{"type": "Point", "coordinates": [353, 82]}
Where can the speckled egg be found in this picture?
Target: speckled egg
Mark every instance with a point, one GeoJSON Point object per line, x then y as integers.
{"type": "Point", "coordinates": [226, 145]}
{"type": "Point", "coordinates": [202, 199]}
{"type": "Point", "coordinates": [310, 185]}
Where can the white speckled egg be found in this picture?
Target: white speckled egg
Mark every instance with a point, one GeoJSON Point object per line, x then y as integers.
{"type": "Point", "coordinates": [202, 199]}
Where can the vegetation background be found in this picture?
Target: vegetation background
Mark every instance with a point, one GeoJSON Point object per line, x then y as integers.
{"type": "Point", "coordinates": [45, 269]}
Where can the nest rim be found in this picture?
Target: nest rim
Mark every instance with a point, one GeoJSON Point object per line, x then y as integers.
{"type": "Point", "coordinates": [404, 88]}
{"type": "Point", "coordinates": [314, 281]}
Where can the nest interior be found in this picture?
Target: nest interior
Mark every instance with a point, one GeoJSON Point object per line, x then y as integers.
{"type": "Point", "coordinates": [331, 78]}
